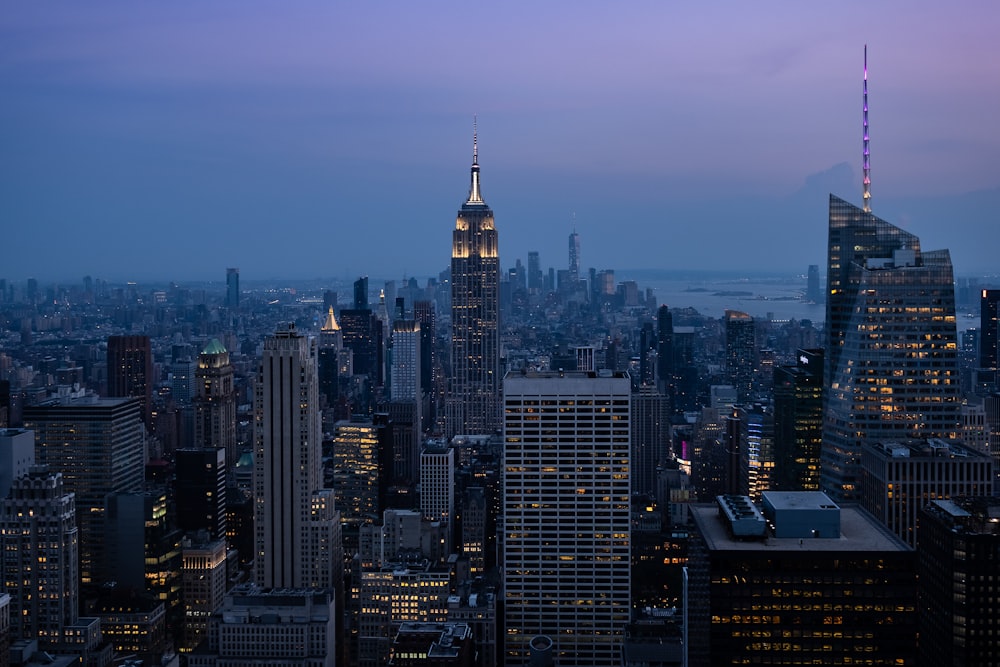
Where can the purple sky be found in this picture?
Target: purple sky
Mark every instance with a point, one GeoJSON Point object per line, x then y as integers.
{"type": "Point", "coordinates": [315, 139]}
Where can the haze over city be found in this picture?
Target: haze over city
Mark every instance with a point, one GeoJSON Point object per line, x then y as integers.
{"type": "Point", "coordinates": [167, 141]}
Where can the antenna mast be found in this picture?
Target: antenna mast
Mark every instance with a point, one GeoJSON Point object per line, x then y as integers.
{"type": "Point", "coordinates": [867, 195]}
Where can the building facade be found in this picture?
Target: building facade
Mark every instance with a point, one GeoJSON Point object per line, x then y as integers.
{"type": "Point", "coordinates": [566, 514]}
{"type": "Point", "coordinates": [215, 402]}
{"type": "Point", "coordinates": [472, 404]}
{"type": "Point", "coordinates": [891, 354]}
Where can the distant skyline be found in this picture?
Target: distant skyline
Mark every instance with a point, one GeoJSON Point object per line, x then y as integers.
{"type": "Point", "coordinates": [170, 141]}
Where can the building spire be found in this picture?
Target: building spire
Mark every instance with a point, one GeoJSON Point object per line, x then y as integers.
{"type": "Point", "coordinates": [867, 194]}
{"type": "Point", "coordinates": [474, 195]}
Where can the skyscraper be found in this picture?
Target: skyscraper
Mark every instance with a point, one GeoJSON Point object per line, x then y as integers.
{"type": "Point", "coordinates": [130, 371]}
{"type": "Point", "coordinates": [798, 422]}
{"type": "Point", "coordinates": [891, 350]}
{"type": "Point", "coordinates": [566, 514]}
{"type": "Point", "coordinates": [473, 404]}
{"type": "Point", "coordinates": [296, 526]}
{"type": "Point", "coordinates": [891, 354]}
{"type": "Point", "coordinates": [215, 402]}
{"type": "Point", "coordinates": [98, 447]}
{"type": "Point", "coordinates": [741, 352]}
{"type": "Point", "coordinates": [989, 326]}
{"type": "Point", "coordinates": [233, 288]}
{"type": "Point", "coordinates": [38, 559]}
{"type": "Point", "coordinates": [574, 256]}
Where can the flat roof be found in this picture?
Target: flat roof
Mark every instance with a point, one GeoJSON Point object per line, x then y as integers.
{"type": "Point", "coordinates": [858, 532]}
{"type": "Point", "coordinates": [800, 500]}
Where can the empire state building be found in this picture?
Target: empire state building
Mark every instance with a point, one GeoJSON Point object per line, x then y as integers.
{"type": "Point", "coordinates": [473, 402]}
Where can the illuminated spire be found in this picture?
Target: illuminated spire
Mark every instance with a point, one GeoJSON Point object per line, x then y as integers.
{"type": "Point", "coordinates": [331, 322]}
{"type": "Point", "coordinates": [474, 195]}
{"type": "Point", "coordinates": [867, 195]}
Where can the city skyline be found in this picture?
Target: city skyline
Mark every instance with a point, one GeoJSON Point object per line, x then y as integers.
{"type": "Point", "coordinates": [215, 127]}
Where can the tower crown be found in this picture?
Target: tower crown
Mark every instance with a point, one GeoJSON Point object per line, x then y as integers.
{"type": "Point", "coordinates": [866, 165]}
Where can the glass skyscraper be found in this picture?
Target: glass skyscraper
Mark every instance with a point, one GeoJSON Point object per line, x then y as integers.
{"type": "Point", "coordinates": [891, 352]}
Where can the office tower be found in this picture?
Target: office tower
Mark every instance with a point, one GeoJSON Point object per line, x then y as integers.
{"type": "Point", "coordinates": [130, 371]}
{"type": "Point", "coordinates": [813, 292]}
{"type": "Point", "coordinates": [296, 525]}
{"type": "Point", "coordinates": [989, 326]}
{"type": "Point", "coordinates": [299, 629]}
{"type": "Point", "coordinates": [756, 449]}
{"type": "Point", "coordinates": [650, 437]}
{"type": "Point", "coordinates": [647, 354]}
{"type": "Point", "coordinates": [39, 539]}
{"type": "Point", "coordinates": [828, 586]}
{"type": "Point", "coordinates": [798, 422]}
{"type": "Point", "coordinates": [98, 447]}
{"type": "Point", "coordinates": [566, 514]}
{"type": "Point", "coordinates": [957, 552]}
{"type": "Point", "coordinates": [203, 586]}
{"type": "Point", "coordinates": [359, 332]}
{"type": "Point", "coordinates": [891, 354]}
{"type": "Point", "coordinates": [200, 491]}
{"type": "Point", "coordinates": [330, 345]}
{"type": "Point", "coordinates": [183, 381]}
{"type": "Point", "coordinates": [361, 293]}
{"type": "Point", "coordinates": [898, 478]}
{"type": "Point", "coordinates": [143, 548]}
{"type": "Point", "coordinates": [741, 353]}
{"type": "Point", "coordinates": [357, 472]}
{"type": "Point", "coordinates": [437, 488]}
{"type": "Point", "coordinates": [406, 355]}
{"type": "Point", "coordinates": [475, 512]}
{"type": "Point", "coordinates": [17, 456]}
{"type": "Point", "coordinates": [574, 257]}
{"type": "Point", "coordinates": [215, 402]}
{"type": "Point", "coordinates": [473, 404]}
{"type": "Point", "coordinates": [664, 350]}
{"type": "Point", "coordinates": [233, 289]}
{"type": "Point", "coordinates": [534, 272]}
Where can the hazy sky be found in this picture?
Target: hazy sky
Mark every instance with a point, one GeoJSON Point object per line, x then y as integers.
{"type": "Point", "coordinates": [170, 140]}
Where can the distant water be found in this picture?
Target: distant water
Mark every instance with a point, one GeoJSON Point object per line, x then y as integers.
{"type": "Point", "coordinates": [775, 297]}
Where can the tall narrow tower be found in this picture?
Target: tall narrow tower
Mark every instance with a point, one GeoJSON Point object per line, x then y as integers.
{"type": "Point", "coordinates": [296, 527]}
{"type": "Point", "coordinates": [574, 256]}
{"type": "Point", "coordinates": [473, 404]}
{"type": "Point", "coordinates": [866, 163]}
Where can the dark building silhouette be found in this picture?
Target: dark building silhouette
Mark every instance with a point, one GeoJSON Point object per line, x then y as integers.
{"type": "Point", "coordinates": [473, 402]}
{"type": "Point", "coordinates": [813, 292]}
{"type": "Point", "coordinates": [215, 402]}
{"type": "Point", "coordinates": [957, 564]}
{"type": "Point", "coordinates": [828, 586]}
{"type": "Point", "coordinates": [200, 491]}
{"type": "Point", "coordinates": [361, 293]}
{"type": "Point", "coordinates": [130, 371]}
{"type": "Point", "coordinates": [798, 422]}
{"type": "Point", "coordinates": [741, 352]}
{"type": "Point", "coordinates": [233, 288]}
{"type": "Point", "coordinates": [361, 332]}
{"type": "Point", "coordinates": [989, 326]}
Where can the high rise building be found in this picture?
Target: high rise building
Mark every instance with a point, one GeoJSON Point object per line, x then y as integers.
{"type": "Point", "coordinates": [203, 586]}
{"type": "Point", "coordinates": [98, 446]}
{"type": "Point", "coordinates": [232, 288]}
{"type": "Point", "coordinates": [331, 344]}
{"type": "Point", "coordinates": [957, 555]}
{"type": "Point", "coordinates": [534, 272]}
{"type": "Point", "coordinates": [891, 355]}
{"type": "Point", "coordinates": [437, 488]}
{"type": "Point", "coordinates": [566, 514]}
{"type": "Point", "coordinates": [574, 256]}
{"type": "Point", "coordinates": [989, 328]}
{"type": "Point", "coordinates": [215, 402]}
{"type": "Point", "coordinates": [17, 456]}
{"type": "Point", "coordinates": [892, 348]}
{"type": "Point", "coordinates": [899, 478]}
{"type": "Point", "coordinates": [741, 352]}
{"type": "Point", "coordinates": [361, 293]}
{"type": "Point", "coordinates": [130, 371]}
{"type": "Point", "coordinates": [805, 582]}
{"type": "Point", "coordinates": [813, 292]}
{"type": "Point", "coordinates": [296, 525]}
{"type": "Point", "coordinates": [798, 422]}
{"type": "Point", "coordinates": [38, 537]}
{"type": "Point", "coordinates": [650, 437]}
{"type": "Point", "coordinates": [200, 491]}
{"type": "Point", "coordinates": [473, 404]}
{"type": "Point", "coordinates": [756, 449]}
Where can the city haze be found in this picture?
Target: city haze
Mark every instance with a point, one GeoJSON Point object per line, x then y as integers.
{"type": "Point", "coordinates": [158, 142]}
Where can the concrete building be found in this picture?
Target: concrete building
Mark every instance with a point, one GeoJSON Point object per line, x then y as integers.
{"type": "Point", "coordinates": [17, 456]}
{"type": "Point", "coordinates": [900, 478]}
{"type": "Point", "coordinates": [810, 596]}
{"type": "Point", "coordinates": [566, 514]}
{"type": "Point", "coordinates": [258, 628]}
